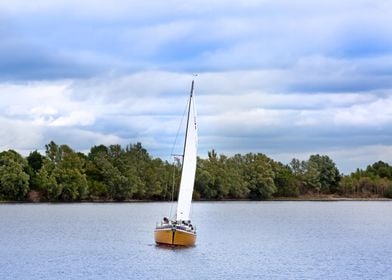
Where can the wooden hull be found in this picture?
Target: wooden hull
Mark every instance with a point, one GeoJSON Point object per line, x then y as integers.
{"type": "Point", "coordinates": [174, 237]}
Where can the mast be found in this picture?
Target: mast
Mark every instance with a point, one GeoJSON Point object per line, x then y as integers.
{"type": "Point", "coordinates": [187, 120]}
{"type": "Point", "coordinates": [189, 162]}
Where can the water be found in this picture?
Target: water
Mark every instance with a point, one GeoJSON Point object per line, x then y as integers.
{"type": "Point", "coordinates": [236, 240]}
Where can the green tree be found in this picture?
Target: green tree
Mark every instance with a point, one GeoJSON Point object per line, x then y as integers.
{"type": "Point", "coordinates": [381, 169]}
{"type": "Point", "coordinates": [329, 174]}
{"type": "Point", "coordinates": [115, 184]}
{"type": "Point", "coordinates": [311, 177]}
{"type": "Point", "coordinates": [138, 167]}
{"type": "Point", "coordinates": [35, 161]}
{"type": "Point", "coordinates": [346, 186]}
{"type": "Point", "coordinates": [98, 187]}
{"type": "Point", "coordinates": [47, 182]}
{"type": "Point", "coordinates": [203, 182]}
{"type": "Point", "coordinates": [318, 174]}
{"type": "Point", "coordinates": [156, 178]}
{"type": "Point", "coordinates": [367, 186]}
{"type": "Point", "coordinates": [260, 176]}
{"type": "Point", "coordinates": [14, 179]}
{"type": "Point", "coordinates": [298, 169]}
{"type": "Point", "coordinates": [388, 191]}
{"type": "Point", "coordinates": [212, 180]}
{"type": "Point", "coordinates": [62, 175]}
{"type": "Point", "coordinates": [238, 187]}
{"type": "Point", "coordinates": [286, 183]}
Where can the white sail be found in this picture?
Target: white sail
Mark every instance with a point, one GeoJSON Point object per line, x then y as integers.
{"type": "Point", "coordinates": [189, 164]}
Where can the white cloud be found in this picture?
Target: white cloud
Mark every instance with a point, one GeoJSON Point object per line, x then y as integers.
{"type": "Point", "coordinates": [377, 113]}
{"type": "Point", "coordinates": [19, 135]}
{"type": "Point", "coordinates": [43, 111]}
{"type": "Point", "coordinates": [281, 77]}
{"type": "Point", "coordinates": [75, 118]}
{"type": "Point", "coordinates": [238, 112]}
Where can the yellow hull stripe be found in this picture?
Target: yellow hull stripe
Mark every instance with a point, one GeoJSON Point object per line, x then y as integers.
{"type": "Point", "coordinates": [178, 237]}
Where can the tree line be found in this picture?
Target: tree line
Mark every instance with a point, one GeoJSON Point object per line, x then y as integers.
{"type": "Point", "coordinates": [114, 173]}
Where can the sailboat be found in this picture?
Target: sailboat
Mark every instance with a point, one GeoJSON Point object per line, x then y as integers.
{"type": "Point", "coordinates": [179, 230]}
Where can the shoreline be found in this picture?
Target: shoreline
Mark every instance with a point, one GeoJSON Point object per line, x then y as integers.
{"type": "Point", "coordinates": [322, 198]}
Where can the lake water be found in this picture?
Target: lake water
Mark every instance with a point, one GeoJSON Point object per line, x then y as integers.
{"type": "Point", "coordinates": [236, 240]}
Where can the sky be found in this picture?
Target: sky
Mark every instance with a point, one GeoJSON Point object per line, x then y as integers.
{"type": "Point", "coordinates": [280, 77]}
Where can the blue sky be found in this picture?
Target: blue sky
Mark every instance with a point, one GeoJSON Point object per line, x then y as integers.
{"type": "Point", "coordinates": [284, 78]}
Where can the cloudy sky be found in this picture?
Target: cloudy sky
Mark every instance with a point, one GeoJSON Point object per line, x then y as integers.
{"type": "Point", "coordinates": [281, 77]}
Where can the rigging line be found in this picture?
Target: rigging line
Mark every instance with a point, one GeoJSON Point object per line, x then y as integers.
{"type": "Point", "coordinates": [172, 194]}
{"type": "Point", "coordinates": [179, 128]}
{"type": "Point", "coordinates": [172, 153]}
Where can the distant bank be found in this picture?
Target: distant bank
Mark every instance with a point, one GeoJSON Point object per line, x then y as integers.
{"type": "Point", "coordinates": [114, 173]}
{"type": "Point", "coordinates": [310, 197]}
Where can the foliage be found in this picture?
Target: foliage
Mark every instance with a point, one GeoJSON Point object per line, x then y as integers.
{"type": "Point", "coordinates": [375, 180]}
{"type": "Point", "coordinates": [260, 176]}
{"type": "Point", "coordinates": [239, 177]}
{"type": "Point", "coordinates": [388, 192]}
{"type": "Point", "coordinates": [319, 174]}
{"type": "Point", "coordinates": [380, 169]}
{"type": "Point", "coordinates": [35, 161]}
{"type": "Point", "coordinates": [115, 173]}
{"type": "Point", "coordinates": [62, 175]}
{"type": "Point", "coordinates": [14, 179]}
{"type": "Point", "coordinates": [287, 185]}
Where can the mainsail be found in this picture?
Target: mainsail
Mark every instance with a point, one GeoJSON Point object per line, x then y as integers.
{"type": "Point", "coordinates": [189, 163]}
